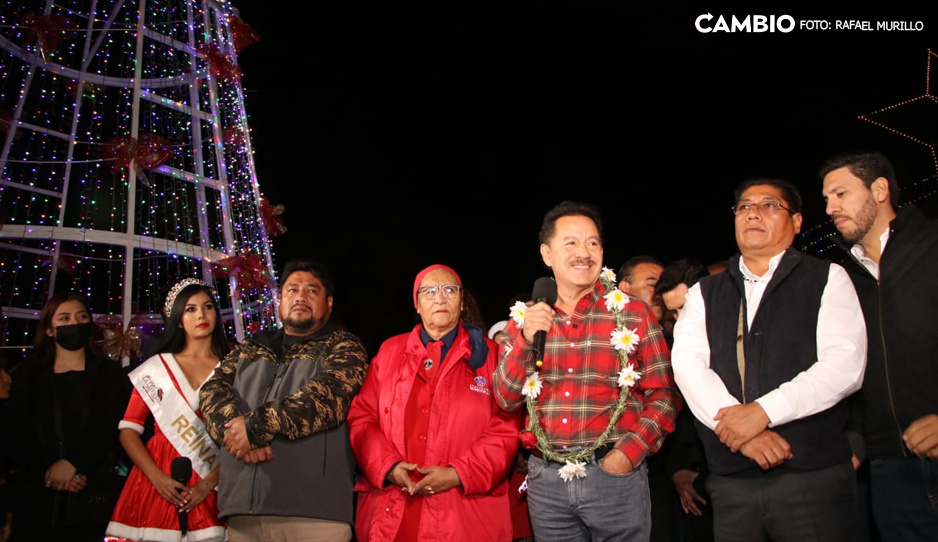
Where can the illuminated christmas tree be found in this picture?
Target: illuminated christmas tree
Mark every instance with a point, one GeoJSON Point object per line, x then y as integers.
{"type": "Point", "coordinates": [126, 164]}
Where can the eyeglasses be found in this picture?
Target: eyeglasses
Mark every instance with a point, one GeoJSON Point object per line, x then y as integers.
{"type": "Point", "coordinates": [765, 207]}
{"type": "Point", "coordinates": [449, 291]}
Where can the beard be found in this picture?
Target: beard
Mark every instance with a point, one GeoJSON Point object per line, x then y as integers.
{"type": "Point", "coordinates": [299, 326]}
{"type": "Point", "coordinates": [863, 222]}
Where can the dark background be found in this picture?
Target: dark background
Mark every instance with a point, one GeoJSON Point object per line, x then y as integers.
{"type": "Point", "coordinates": [419, 135]}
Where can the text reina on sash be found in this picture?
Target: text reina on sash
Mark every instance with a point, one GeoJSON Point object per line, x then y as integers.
{"type": "Point", "coordinates": [195, 439]}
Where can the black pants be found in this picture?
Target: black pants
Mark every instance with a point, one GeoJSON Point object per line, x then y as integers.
{"type": "Point", "coordinates": [785, 505]}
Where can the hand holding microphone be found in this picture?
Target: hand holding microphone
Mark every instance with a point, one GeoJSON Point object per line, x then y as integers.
{"type": "Point", "coordinates": [181, 471]}
{"type": "Point", "coordinates": [545, 291]}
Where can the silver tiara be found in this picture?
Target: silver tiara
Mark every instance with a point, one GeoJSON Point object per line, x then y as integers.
{"type": "Point", "coordinates": [174, 291]}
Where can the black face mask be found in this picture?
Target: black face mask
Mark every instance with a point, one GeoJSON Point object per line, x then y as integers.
{"type": "Point", "coordinates": [75, 336]}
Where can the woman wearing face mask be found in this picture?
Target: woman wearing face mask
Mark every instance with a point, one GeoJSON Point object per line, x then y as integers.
{"type": "Point", "coordinates": [166, 387]}
{"type": "Point", "coordinates": [64, 405]}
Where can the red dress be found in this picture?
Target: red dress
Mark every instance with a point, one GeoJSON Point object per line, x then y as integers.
{"type": "Point", "coordinates": [141, 514]}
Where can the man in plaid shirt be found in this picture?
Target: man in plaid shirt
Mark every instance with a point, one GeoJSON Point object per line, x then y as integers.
{"type": "Point", "coordinates": [587, 477]}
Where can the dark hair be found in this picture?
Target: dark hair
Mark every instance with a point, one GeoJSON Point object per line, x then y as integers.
{"type": "Point", "coordinates": [317, 269]}
{"type": "Point", "coordinates": [471, 312]}
{"type": "Point", "coordinates": [722, 265]}
{"type": "Point", "coordinates": [682, 271]}
{"type": "Point", "coordinates": [866, 166]}
{"type": "Point", "coordinates": [625, 272]}
{"type": "Point", "coordinates": [174, 338]}
{"type": "Point", "coordinates": [789, 192]}
{"type": "Point", "coordinates": [568, 208]}
{"type": "Point", "coordinates": [43, 353]}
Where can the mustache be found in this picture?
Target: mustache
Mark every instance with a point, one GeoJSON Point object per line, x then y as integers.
{"type": "Point", "coordinates": [583, 261]}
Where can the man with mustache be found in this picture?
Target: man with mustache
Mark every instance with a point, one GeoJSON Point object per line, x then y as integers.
{"type": "Point", "coordinates": [891, 254]}
{"type": "Point", "coordinates": [278, 403]}
{"type": "Point", "coordinates": [765, 354]}
{"type": "Point", "coordinates": [638, 276]}
{"type": "Point", "coordinates": [603, 398]}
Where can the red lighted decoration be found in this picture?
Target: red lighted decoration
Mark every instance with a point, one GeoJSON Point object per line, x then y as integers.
{"type": "Point", "coordinates": [242, 33]}
{"type": "Point", "coordinates": [220, 64]}
{"type": "Point", "coordinates": [233, 136]}
{"type": "Point", "coordinates": [65, 262]}
{"type": "Point", "coordinates": [272, 215]}
{"type": "Point", "coordinates": [249, 271]}
{"type": "Point", "coordinates": [254, 327]}
{"type": "Point", "coordinates": [147, 152]}
{"type": "Point", "coordinates": [47, 31]}
{"type": "Point", "coordinates": [118, 344]}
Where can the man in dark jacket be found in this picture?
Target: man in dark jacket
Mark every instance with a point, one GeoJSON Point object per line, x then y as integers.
{"type": "Point", "coordinates": [765, 354]}
{"type": "Point", "coordinates": [278, 403]}
{"type": "Point", "coordinates": [685, 463]}
{"type": "Point", "coordinates": [892, 258]}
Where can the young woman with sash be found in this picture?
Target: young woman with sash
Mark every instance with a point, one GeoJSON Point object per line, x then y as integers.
{"type": "Point", "coordinates": [166, 386]}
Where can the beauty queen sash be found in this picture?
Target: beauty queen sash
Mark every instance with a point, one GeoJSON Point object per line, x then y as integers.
{"type": "Point", "coordinates": [182, 427]}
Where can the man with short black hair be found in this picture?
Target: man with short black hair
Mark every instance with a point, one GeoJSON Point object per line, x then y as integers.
{"type": "Point", "coordinates": [676, 278]}
{"type": "Point", "coordinates": [604, 397]}
{"type": "Point", "coordinates": [683, 454]}
{"type": "Point", "coordinates": [891, 254]}
{"type": "Point", "coordinates": [638, 276]}
{"type": "Point", "coordinates": [765, 354]}
{"type": "Point", "coordinates": [278, 403]}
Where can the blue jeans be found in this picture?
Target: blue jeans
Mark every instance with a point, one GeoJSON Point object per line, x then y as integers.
{"type": "Point", "coordinates": [599, 507]}
{"type": "Point", "coordinates": [905, 498]}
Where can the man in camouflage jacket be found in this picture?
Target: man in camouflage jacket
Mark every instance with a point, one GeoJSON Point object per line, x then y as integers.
{"type": "Point", "coordinates": [278, 404]}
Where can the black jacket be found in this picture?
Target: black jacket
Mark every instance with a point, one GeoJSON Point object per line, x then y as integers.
{"type": "Point", "coordinates": [901, 312]}
{"type": "Point", "coordinates": [90, 403]}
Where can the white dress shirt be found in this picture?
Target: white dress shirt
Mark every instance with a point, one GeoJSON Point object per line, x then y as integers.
{"type": "Point", "coordinates": [838, 372]}
{"type": "Point", "coordinates": [860, 253]}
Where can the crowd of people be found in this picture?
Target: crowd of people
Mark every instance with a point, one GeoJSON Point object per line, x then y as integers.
{"type": "Point", "coordinates": [771, 396]}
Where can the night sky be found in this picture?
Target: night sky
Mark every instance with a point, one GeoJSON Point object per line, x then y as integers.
{"type": "Point", "coordinates": [423, 135]}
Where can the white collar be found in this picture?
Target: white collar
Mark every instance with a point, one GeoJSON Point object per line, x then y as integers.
{"type": "Point", "coordinates": [749, 276]}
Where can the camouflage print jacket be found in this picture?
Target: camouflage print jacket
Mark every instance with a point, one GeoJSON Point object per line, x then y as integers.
{"type": "Point", "coordinates": [295, 400]}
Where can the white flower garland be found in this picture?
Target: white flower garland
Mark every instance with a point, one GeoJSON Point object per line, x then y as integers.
{"type": "Point", "coordinates": [624, 340]}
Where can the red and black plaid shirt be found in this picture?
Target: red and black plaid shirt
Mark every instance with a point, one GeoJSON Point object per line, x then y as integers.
{"type": "Point", "coordinates": [580, 375]}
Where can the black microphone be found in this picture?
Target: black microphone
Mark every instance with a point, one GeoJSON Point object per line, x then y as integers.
{"type": "Point", "coordinates": [545, 289]}
{"type": "Point", "coordinates": [181, 471]}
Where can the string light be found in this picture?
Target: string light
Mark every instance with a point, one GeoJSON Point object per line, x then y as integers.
{"type": "Point", "coordinates": [70, 219]}
{"type": "Point", "coordinates": [927, 103]}
{"type": "Point", "coordinates": [820, 238]}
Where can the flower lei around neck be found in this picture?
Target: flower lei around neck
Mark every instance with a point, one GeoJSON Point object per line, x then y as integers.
{"type": "Point", "coordinates": [624, 341]}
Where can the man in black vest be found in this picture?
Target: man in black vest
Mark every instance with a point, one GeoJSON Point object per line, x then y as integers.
{"type": "Point", "coordinates": [764, 354]}
{"type": "Point", "coordinates": [892, 256]}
